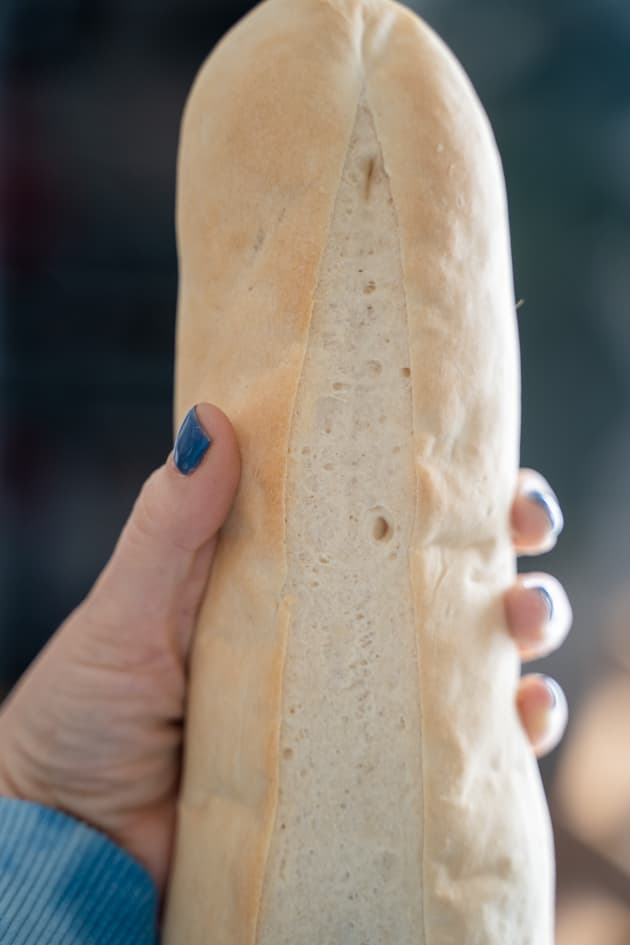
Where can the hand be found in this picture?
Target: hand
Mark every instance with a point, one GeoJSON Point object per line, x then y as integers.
{"type": "Point", "coordinates": [537, 611]}
{"type": "Point", "coordinates": [94, 727]}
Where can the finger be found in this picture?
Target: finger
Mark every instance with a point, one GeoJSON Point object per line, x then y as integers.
{"type": "Point", "coordinates": [538, 614]}
{"type": "Point", "coordinates": [536, 515]}
{"type": "Point", "coordinates": [542, 706]}
{"type": "Point", "coordinates": [171, 533]}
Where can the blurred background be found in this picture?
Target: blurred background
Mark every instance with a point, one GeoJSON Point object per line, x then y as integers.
{"type": "Point", "coordinates": [91, 96]}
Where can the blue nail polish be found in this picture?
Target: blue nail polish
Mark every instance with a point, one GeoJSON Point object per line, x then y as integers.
{"type": "Point", "coordinates": [554, 691]}
{"type": "Point", "coordinates": [551, 507]}
{"type": "Point", "coordinates": [191, 443]}
{"type": "Point", "coordinates": [548, 599]}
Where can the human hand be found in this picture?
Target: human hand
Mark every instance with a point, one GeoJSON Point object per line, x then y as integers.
{"type": "Point", "coordinates": [537, 610]}
{"type": "Point", "coordinates": [94, 727]}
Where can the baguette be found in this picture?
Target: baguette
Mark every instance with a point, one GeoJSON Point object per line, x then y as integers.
{"type": "Point", "coordinates": [355, 771]}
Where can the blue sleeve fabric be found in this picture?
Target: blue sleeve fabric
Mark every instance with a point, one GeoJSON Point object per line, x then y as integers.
{"type": "Point", "coordinates": [64, 883]}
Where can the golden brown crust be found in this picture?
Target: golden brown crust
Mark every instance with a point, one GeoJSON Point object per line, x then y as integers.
{"type": "Point", "coordinates": [264, 137]}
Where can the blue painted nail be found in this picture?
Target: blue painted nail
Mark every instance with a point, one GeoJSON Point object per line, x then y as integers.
{"type": "Point", "coordinates": [557, 696]}
{"type": "Point", "coordinates": [548, 599]}
{"type": "Point", "coordinates": [191, 443]}
{"type": "Point", "coordinates": [552, 508]}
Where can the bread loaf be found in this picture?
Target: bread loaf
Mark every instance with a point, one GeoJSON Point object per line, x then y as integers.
{"type": "Point", "coordinates": [355, 771]}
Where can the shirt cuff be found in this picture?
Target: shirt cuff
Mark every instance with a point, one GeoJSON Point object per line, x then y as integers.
{"type": "Point", "coordinates": [64, 883]}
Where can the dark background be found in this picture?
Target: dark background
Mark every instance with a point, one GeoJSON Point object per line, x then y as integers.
{"type": "Point", "coordinates": [91, 96]}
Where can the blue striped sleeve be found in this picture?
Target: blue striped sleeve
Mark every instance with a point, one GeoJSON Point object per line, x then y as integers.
{"type": "Point", "coordinates": [64, 883]}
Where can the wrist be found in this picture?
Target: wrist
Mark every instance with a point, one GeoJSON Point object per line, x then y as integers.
{"type": "Point", "coordinates": [8, 785]}
{"type": "Point", "coordinates": [13, 784]}
{"type": "Point", "coordinates": [6, 790]}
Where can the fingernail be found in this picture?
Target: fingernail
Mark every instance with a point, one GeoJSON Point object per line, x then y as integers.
{"type": "Point", "coordinates": [552, 723]}
{"type": "Point", "coordinates": [548, 599]}
{"type": "Point", "coordinates": [558, 698]}
{"type": "Point", "coordinates": [547, 638]}
{"type": "Point", "coordinates": [551, 506]}
{"type": "Point", "coordinates": [191, 443]}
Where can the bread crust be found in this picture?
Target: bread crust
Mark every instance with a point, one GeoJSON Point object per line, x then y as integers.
{"type": "Point", "coordinates": [265, 134]}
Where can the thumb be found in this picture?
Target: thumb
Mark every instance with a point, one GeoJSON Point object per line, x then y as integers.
{"type": "Point", "coordinates": [160, 565]}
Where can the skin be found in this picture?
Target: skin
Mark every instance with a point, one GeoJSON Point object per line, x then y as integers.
{"type": "Point", "coordinates": [94, 726]}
